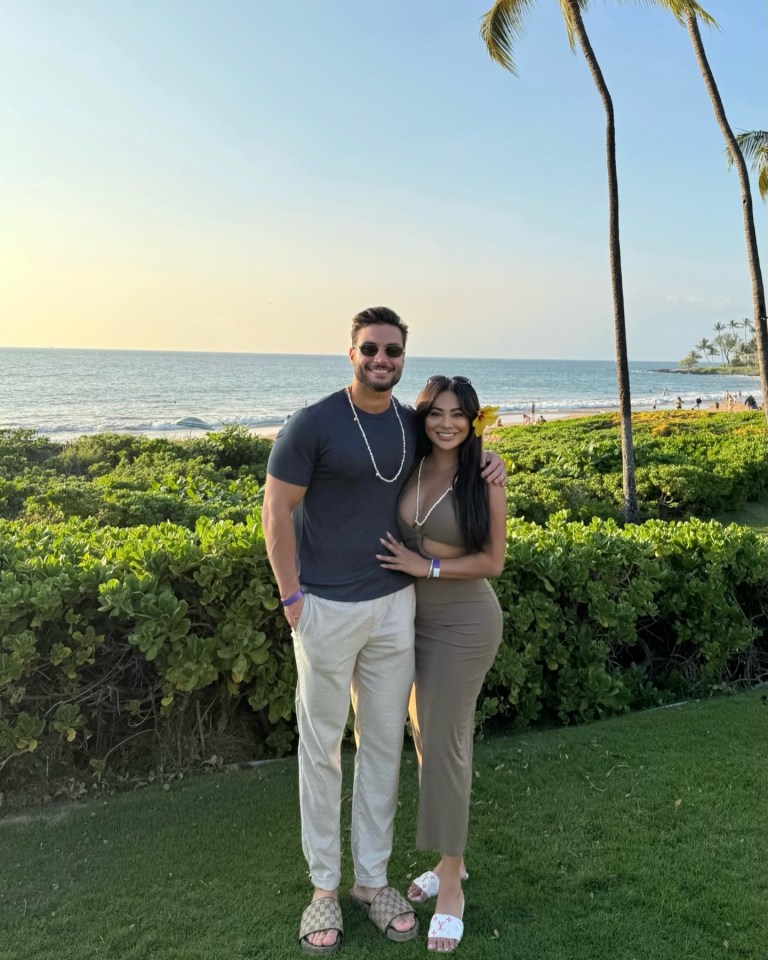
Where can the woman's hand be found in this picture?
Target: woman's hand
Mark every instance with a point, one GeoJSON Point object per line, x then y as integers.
{"type": "Point", "coordinates": [402, 559]}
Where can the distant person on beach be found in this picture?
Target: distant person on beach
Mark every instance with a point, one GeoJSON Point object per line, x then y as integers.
{"type": "Point", "coordinates": [750, 403]}
{"type": "Point", "coordinates": [678, 403]}
{"type": "Point", "coordinates": [333, 479]}
{"type": "Point", "coordinates": [541, 419]}
{"type": "Point", "coordinates": [453, 529]}
{"type": "Point", "coordinates": [698, 403]}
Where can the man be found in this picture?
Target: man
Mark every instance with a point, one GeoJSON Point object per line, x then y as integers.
{"type": "Point", "coordinates": [333, 480]}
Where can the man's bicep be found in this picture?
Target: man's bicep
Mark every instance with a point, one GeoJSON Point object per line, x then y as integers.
{"type": "Point", "coordinates": [278, 494]}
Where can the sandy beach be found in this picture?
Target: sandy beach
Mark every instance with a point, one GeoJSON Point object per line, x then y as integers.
{"type": "Point", "coordinates": [507, 420]}
{"type": "Point", "coordinates": [517, 419]}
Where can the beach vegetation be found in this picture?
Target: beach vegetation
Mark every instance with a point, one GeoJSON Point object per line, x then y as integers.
{"type": "Point", "coordinates": [738, 354]}
{"type": "Point", "coordinates": [140, 621]}
{"type": "Point", "coordinates": [688, 464]}
{"type": "Point", "coordinates": [690, 360]}
{"type": "Point", "coordinates": [124, 479]}
{"type": "Point", "coordinates": [124, 648]}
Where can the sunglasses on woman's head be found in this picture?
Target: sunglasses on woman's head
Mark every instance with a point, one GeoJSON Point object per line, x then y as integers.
{"type": "Point", "coordinates": [392, 350]}
{"type": "Point", "coordinates": [441, 376]}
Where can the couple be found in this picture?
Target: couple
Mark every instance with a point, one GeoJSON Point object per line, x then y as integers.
{"type": "Point", "coordinates": [340, 481]}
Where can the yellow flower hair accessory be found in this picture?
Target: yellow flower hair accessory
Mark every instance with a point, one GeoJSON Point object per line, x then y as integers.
{"type": "Point", "coordinates": [485, 417]}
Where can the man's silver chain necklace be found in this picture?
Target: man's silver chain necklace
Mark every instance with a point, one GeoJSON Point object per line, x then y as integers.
{"type": "Point", "coordinates": [417, 522]}
{"type": "Point", "coordinates": [368, 446]}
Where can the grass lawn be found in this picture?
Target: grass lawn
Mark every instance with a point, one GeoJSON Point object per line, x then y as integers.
{"type": "Point", "coordinates": [754, 515]}
{"type": "Point", "coordinates": [638, 837]}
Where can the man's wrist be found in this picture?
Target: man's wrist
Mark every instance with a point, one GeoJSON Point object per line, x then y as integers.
{"type": "Point", "coordinates": [293, 598]}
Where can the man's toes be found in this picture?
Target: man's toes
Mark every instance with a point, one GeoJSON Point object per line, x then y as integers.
{"type": "Point", "coordinates": [323, 938]}
{"type": "Point", "coordinates": [404, 922]}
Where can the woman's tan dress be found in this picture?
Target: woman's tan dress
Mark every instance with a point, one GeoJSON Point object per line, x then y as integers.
{"type": "Point", "coordinates": [458, 631]}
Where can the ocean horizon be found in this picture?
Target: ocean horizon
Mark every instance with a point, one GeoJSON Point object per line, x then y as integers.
{"type": "Point", "coordinates": [70, 392]}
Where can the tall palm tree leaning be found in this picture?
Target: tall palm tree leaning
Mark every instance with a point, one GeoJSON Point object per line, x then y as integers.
{"type": "Point", "coordinates": [689, 17]}
{"type": "Point", "coordinates": [500, 27]}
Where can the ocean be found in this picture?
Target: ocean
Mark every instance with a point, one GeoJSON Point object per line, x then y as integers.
{"type": "Point", "coordinates": [66, 393]}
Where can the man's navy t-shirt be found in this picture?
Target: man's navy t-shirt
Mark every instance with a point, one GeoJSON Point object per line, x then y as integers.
{"type": "Point", "coordinates": [346, 509]}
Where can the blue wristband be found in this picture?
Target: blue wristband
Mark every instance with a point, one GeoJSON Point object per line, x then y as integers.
{"type": "Point", "coordinates": [294, 598]}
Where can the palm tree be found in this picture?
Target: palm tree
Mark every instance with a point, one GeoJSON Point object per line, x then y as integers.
{"type": "Point", "coordinates": [748, 328]}
{"type": "Point", "coordinates": [703, 346]}
{"type": "Point", "coordinates": [754, 148]}
{"type": "Point", "coordinates": [734, 324]}
{"type": "Point", "coordinates": [500, 27]}
{"type": "Point", "coordinates": [720, 329]}
{"type": "Point", "coordinates": [686, 14]}
{"type": "Point", "coordinates": [689, 360]}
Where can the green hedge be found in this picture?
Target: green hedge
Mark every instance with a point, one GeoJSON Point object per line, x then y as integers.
{"type": "Point", "coordinates": [124, 480]}
{"type": "Point", "coordinates": [165, 638]}
{"type": "Point", "coordinates": [687, 464]}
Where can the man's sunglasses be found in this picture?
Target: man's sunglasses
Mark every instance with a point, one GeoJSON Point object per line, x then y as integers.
{"type": "Point", "coordinates": [438, 377]}
{"type": "Point", "coordinates": [392, 350]}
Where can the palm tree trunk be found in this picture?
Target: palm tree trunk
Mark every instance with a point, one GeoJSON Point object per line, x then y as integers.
{"type": "Point", "coordinates": [631, 514]}
{"type": "Point", "coordinates": [758, 292]}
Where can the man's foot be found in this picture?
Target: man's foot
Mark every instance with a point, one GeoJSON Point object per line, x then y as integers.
{"type": "Point", "coordinates": [401, 926]}
{"type": "Point", "coordinates": [324, 938]}
{"type": "Point", "coordinates": [447, 928]}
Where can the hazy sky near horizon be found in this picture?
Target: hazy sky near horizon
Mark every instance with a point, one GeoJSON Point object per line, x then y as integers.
{"type": "Point", "coordinates": [246, 175]}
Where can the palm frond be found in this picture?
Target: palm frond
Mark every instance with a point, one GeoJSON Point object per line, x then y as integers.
{"type": "Point", "coordinates": [753, 145]}
{"type": "Point", "coordinates": [762, 181]}
{"type": "Point", "coordinates": [500, 27]}
{"type": "Point", "coordinates": [568, 17]}
{"type": "Point", "coordinates": [754, 148]}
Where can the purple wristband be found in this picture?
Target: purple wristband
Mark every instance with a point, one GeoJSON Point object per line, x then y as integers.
{"type": "Point", "coordinates": [294, 598]}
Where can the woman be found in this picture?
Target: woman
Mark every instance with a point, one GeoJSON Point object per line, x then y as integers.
{"type": "Point", "coordinates": [452, 526]}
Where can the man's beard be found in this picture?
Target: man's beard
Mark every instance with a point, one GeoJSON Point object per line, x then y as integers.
{"type": "Point", "coordinates": [362, 377]}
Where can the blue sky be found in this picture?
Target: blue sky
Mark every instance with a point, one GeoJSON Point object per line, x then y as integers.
{"type": "Point", "coordinates": [245, 176]}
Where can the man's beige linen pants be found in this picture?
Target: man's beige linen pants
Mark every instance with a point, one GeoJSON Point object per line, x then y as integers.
{"type": "Point", "coordinates": [364, 649]}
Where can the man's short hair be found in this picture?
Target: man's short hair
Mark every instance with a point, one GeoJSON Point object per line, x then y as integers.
{"type": "Point", "coordinates": [376, 315]}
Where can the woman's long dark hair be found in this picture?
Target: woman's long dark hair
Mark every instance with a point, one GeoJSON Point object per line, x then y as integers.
{"type": "Point", "coordinates": [471, 491]}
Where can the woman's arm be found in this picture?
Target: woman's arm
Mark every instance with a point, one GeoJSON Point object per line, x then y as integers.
{"type": "Point", "coordinates": [489, 562]}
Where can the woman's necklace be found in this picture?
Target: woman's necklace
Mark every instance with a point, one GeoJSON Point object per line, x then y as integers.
{"type": "Point", "coordinates": [368, 446]}
{"type": "Point", "coordinates": [417, 522]}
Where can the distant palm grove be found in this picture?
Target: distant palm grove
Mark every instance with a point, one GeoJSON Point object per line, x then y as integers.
{"type": "Point", "coordinates": [734, 345]}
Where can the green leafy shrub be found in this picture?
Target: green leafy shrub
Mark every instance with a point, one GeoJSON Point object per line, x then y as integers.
{"type": "Point", "coordinates": [687, 464]}
{"type": "Point", "coordinates": [126, 480]}
{"type": "Point", "coordinates": [176, 634]}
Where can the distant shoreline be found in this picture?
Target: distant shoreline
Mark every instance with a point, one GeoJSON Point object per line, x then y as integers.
{"type": "Point", "coordinates": [717, 371]}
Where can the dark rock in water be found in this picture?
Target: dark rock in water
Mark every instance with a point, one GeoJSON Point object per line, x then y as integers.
{"type": "Point", "coordinates": [194, 423]}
